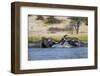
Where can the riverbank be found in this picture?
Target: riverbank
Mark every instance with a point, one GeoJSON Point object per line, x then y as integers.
{"type": "Point", "coordinates": [57, 37]}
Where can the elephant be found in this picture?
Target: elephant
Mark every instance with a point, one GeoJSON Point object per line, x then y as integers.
{"type": "Point", "coordinates": [47, 42]}
{"type": "Point", "coordinates": [70, 42]}
{"type": "Point", "coordinates": [64, 42]}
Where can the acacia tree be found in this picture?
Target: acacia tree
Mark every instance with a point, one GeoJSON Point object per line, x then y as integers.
{"type": "Point", "coordinates": [77, 22]}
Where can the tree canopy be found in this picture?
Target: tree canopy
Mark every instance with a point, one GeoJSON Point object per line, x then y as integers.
{"type": "Point", "coordinates": [77, 22]}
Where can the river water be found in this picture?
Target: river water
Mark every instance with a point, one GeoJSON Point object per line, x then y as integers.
{"type": "Point", "coordinates": [57, 53]}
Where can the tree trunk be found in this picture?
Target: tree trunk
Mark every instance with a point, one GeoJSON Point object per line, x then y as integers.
{"type": "Point", "coordinates": [77, 30]}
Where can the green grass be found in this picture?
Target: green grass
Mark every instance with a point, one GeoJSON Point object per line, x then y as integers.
{"type": "Point", "coordinates": [57, 38]}
{"type": "Point", "coordinates": [38, 38]}
{"type": "Point", "coordinates": [82, 37]}
{"type": "Point", "coordinates": [34, 39]}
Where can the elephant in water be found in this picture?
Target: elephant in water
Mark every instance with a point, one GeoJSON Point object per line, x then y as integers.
{"type": "Point", "coordinates": [69, 42]}
{"type": "Point", "coordinates": [66, 41]}
{"type": "Point", "coordinates": [47, 42]}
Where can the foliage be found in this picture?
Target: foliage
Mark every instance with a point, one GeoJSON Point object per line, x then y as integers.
{"type": "Point", "coordinates": [39, 17]}
{"type": "Point", "coordinates": [52, 20]}
{"type": "Point", "coordinates": [76, 22]}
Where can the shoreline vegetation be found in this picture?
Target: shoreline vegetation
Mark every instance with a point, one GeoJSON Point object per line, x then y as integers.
{"type": "Point", "coordinates": [33, 39]}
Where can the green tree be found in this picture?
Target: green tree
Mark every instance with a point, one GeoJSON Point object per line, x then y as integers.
{"type": "Point", "coordinates": [77, 22]}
